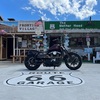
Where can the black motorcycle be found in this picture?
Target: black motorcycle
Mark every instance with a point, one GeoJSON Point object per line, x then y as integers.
{"type": "Point", "coordinates": [53, 57]}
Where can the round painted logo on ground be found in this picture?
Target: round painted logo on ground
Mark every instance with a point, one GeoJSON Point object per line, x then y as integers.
{"type": "Point", "coordinates": [45, 78]}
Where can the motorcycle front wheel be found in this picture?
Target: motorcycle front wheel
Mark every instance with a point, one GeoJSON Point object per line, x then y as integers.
{"type": "Point", "coordinates": [31, 63]}
{"type": "Point", "coordinates": [73, 61]}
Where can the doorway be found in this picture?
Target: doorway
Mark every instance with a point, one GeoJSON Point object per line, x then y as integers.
{"type": "Point", "coordinates": [9, 47]}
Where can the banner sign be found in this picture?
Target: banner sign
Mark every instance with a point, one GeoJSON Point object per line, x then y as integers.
{"type": "Point", "coordinates": [29, 26]}
{"type": "Point", "coordinates": [49, 25]}
{"type": "Point", "coordinates": [70, 25]}
{"type": "Point", "coordinates": [44, 79]}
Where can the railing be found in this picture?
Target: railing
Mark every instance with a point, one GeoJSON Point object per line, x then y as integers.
{"type": "Point", "coordinates": [21, 51]}
{"type": "Point", "coordinates": [19, 54]}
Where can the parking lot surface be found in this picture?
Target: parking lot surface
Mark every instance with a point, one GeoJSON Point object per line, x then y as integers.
{"type": "Point", "coordinates": [45, 83]}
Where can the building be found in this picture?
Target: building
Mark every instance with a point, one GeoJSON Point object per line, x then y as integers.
{"type": "Point", "coordinates": [17, 37]}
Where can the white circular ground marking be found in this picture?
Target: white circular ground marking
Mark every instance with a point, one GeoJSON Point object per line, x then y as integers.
{"type": "Point", "coordinates": [45, 78]}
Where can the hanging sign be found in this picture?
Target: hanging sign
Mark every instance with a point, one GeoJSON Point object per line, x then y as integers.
{"type": "Point", "coordinates": [87, 38]}
{"type": "Point", "coordinates": [88, 50]}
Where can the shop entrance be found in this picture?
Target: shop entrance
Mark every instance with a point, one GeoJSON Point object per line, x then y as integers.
{"type": "Point", "coordinates": [52, 38]}
{"type": "Point", "coordinates": [9, 47]}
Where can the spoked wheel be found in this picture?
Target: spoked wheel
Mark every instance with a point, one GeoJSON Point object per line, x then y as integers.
{"type": "Point", "coordinates": [31, 63]}
{"type": "Point", "coordinates": [73, 62]}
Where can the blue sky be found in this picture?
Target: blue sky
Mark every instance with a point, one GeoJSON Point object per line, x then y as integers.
{"type": "Point", "coordinates": [50, 10]}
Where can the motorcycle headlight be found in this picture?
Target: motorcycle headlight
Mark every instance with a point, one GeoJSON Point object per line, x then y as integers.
{"type": "Point", "coordinates": [54, 53]}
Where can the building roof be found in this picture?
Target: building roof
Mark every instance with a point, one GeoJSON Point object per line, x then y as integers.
{"type": "Point", "coordinates": [1, 19]}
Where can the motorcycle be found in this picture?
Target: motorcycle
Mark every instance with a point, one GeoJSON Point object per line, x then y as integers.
{"type": "Point", "coordinates": [53, 57]}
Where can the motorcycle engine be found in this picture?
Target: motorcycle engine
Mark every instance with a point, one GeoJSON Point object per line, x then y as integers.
{"type": "Point", "coordinates": [54, 59]}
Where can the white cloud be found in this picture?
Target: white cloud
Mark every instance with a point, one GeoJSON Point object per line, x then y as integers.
{"type": "Point", "coordinates": [26, 8]}
{"type": "Point", "coordinates": [56, 18]}
{"type": "Point", "coordinates": [40, 12]}
{"type": "Point", "coordinates": [44, 17]}
{"type": "Point", "coordinates": [33, 11]}
{"type": "Point", "coordinates": [80, 8]}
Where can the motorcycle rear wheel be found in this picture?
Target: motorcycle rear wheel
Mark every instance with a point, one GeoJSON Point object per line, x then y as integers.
{"type": "Point", "coordinates": [73, 62]}
{"type": "Point", "coordinates": [31, 63]}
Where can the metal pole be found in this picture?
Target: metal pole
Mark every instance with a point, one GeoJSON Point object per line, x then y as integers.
{"type": "Point", "coordinates": [14, 45]}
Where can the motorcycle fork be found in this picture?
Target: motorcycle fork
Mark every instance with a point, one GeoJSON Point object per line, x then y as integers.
{"type": "Point", "coordinates": [67, 53]}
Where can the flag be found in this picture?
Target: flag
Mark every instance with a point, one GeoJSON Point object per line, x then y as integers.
{"type": "Point", "coordinates": [39, 22]}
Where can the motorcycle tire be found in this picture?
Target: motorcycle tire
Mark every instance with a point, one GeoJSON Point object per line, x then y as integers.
{"type": "Point", "coordinates": [31, 63]}
{"type": "Point", "coordinates": [73, 62]}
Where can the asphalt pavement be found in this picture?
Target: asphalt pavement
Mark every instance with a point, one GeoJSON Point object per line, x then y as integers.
{"type": "Point", "coordinates": [45, 83]}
